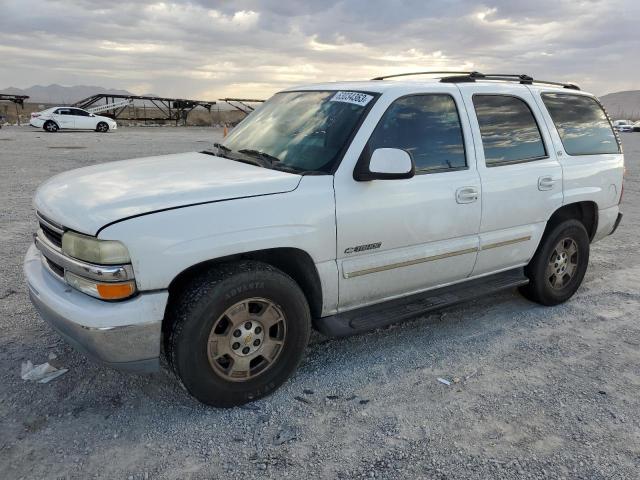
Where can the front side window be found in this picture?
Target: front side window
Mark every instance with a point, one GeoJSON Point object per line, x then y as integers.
{"type": "Point", "coordinates": [305, 131]}
{"type": "Point", "coordinates": [79, 113]}
{"type": "Point", "coordinates": [509, 130]}
{"type": "Point", "coordinates": [426, 126]}
{"type": "Point", "coordinates": [582, 124]}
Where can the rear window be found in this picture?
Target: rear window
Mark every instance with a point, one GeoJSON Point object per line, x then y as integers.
{"type": "Point", "coordinates": [582, 124]}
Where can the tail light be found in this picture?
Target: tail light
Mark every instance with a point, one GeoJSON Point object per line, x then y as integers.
{"type": "Point", "coordinates": [624, 174]}
{"type": "Point", "coordinates": [35, 115]}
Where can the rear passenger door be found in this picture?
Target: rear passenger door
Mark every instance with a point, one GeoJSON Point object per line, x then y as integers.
{"type": "Point", "coordinates": [64, 118]}
{"type": "Point", "coordinates": [520, 175]}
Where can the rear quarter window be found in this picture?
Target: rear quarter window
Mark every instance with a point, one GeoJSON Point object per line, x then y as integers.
{"type": "Point", "coordinates": [582, 124]}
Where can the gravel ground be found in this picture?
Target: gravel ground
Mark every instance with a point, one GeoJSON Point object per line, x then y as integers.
{"type": "Point", "coordinates": [536, 392]}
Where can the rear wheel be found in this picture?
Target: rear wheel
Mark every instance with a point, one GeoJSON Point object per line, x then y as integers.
{"type": "Point", "coordinates": [102, 127]}
{"type": "Point", "coordinates": [50, 126]}
{"type": "Point", "coordinates": [558, 267]}
{"type": "Point", "coordinates": [237, 333]}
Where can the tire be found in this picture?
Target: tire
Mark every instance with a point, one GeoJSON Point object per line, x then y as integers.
{"type": "Point", "coordinates": [102, 127]}
{"type": "Point", "coordinates": [50, 126]}
{"type": "Point", "coordinates": [557, 269]}
{"type": "Point", "coordinates": [202, 323]}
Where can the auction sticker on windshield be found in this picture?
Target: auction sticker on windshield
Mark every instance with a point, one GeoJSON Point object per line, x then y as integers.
{"type": "Point", "coordinates": [356, 98]}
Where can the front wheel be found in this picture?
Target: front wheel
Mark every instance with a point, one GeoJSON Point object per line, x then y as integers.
{"type": "Point", "coordinates": [102, 127]}
{"type": "Point", "coordinates": [237, 332]}
{"type": "Point", "coordinates": [559, 265]}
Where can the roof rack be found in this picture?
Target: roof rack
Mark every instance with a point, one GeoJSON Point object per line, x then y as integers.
{"type": "Point", "coordinates": [384, 77]}
{"type": "Point", "coordinates": [460, 77]}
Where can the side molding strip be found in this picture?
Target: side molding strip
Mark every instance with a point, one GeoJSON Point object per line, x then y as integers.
{"type": "Point", "coordinates": [506, 242]}
{"type": "Point", "coordinates": [408, 263]}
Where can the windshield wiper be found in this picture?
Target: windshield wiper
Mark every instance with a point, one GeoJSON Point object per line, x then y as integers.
{"type": "Point", "coordinates": [219, 146]}
{"type": "Point", "coordinates": [258, 153]}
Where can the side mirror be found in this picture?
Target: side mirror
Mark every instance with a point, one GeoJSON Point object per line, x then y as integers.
{"type": "Point", "coordinates": [385, 164]}
{"type": "Point", "coordinates": [91, 115]}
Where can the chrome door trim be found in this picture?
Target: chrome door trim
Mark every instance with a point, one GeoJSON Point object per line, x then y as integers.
{"type": "Point", "coordinates": [408, 263]}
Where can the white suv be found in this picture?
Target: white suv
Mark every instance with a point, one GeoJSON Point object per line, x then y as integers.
{"type": "Point", "coordinates": [71, 118]}
{"type": "Point", "coordinates": [339, 206]}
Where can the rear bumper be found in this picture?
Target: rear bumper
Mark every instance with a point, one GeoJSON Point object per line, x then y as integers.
{"type": "Point", "coordinates": [615, 225]}
{"type": "Point", "coordinates": [123, 335]}
{"type": "Point", "coordinates": [608, 221]}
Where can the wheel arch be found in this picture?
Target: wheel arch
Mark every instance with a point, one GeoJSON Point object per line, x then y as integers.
{"type": "Point", "coordinates": [52, 121]}
{"type": "Point", "coordinates": [295, 262]}
{"type": "Point", "coordinates": [585, 212]}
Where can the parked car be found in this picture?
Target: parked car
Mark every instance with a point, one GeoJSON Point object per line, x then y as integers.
{"type": "Point", "coordinates": [636, 127]}
{"type": "Point", "coordinates": [342, 207]}
{"type": "Point", "coordinates": [623, 126]}
{"type": "Point", "coordinates": [71, 118]}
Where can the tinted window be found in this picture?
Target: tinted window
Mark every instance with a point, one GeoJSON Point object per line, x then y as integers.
{"type": "Point", "coordinates": [80, 113]}
{"type": "Point", "coordinates": [508, 129]}
{"type": "Point", "coordinates": [581, 123]}
{"type": "Point", "coordinates": [63, 111]}
{"type": "Point", "coordinates": [428, 127]}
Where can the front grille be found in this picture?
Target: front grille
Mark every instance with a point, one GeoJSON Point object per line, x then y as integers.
{"type": "Point", "coordinates": [55, 268]}
{"type": "Point", "coordinates": [53, 236]}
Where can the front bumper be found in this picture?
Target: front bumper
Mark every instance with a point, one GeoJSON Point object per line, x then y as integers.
{"type": "Point", "coordinates": [123, 335]}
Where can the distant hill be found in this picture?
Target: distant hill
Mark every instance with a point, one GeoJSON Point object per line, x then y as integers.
{"type": "Point", "coordinates": [622, 105]}
{"type": "Point", "coordinates": [59, 94]}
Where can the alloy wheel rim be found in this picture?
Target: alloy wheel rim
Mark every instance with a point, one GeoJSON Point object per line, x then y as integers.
{"type": "Point", "coordinates": [563, 263]}
{"type": "Point", "coordinates": [247, 339]}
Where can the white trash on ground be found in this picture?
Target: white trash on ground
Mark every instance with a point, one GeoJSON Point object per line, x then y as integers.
{"type": "Point", "coordinates": [43, 373]}
{"type": "Point", "coordinates": [444, 381]}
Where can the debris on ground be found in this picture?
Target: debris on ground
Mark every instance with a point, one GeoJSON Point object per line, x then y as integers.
{"type": "Point", "coordinates": [42, 373]}
{"type": "Point", "coordinates": [444, 381]}
{"type": "Point", "coordinates": [285, 435]}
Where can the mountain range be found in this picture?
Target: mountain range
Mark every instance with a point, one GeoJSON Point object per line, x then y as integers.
{"type": "Point", "coordinates": [623, 105]}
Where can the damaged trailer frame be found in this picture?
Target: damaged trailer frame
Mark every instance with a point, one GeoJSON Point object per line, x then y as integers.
{"type": "Point", "coordinates": [173, 109]}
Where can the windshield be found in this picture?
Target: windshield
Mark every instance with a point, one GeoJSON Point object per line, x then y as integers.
{"type": "Point", "coordinates": [304, 131]}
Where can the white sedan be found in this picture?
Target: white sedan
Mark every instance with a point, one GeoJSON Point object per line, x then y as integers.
{"type": "Point", "coordinates": [71, 118]}
{"type": "Point", "coordinates": [623, 126]}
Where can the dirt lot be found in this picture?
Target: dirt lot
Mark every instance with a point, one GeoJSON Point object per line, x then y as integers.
{"type": "Point", "coordinates": [540, 392]}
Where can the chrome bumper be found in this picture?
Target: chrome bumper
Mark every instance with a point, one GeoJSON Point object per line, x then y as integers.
{"type": "Point", "coordinates": [124, 335]}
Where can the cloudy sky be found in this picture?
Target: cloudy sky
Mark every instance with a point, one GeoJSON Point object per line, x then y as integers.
{"type": "Point", "coordinates": [250, 48]}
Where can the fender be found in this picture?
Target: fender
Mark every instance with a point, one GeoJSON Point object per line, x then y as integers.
{"type": "Point", "coordinates": [166, 243]}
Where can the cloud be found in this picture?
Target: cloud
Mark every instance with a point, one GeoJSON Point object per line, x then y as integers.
{"type": "Point", "coordinates": [254, 48]}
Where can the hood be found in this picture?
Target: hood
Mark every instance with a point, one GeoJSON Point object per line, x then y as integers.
{"type": "Point", "coordinates": [89, 198]}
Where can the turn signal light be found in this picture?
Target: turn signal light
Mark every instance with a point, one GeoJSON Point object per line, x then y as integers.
{"type": "Point", "coordinates": [115, 291]}
{"type": "Point", "coordinates": [101, 290]}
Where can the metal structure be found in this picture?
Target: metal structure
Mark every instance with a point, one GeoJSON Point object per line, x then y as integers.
{"type": "Point", "coordinates": [241, 104]}
{"type": "Point", "coordinates": [16, 99]}
{"type": "Point", "coordinates": [174, 109]}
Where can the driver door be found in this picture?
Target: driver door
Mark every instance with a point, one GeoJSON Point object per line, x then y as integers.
{"type": "Point", "coordinates": [83, 119]}
{"type": "Point", "coordinates": [398, 237]}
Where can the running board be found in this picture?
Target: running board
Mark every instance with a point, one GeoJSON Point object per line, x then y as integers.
{"type": "Point", "coordinates": [394, 311]}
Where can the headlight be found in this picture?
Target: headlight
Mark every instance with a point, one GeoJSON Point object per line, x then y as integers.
{"type": "Point", "coordinates": [92, 250]}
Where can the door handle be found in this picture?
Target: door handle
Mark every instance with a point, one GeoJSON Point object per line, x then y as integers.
{"type": "Point", "coordinates": [546, 183]}
{"type": "Point", "coordinates": [467, 194]}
